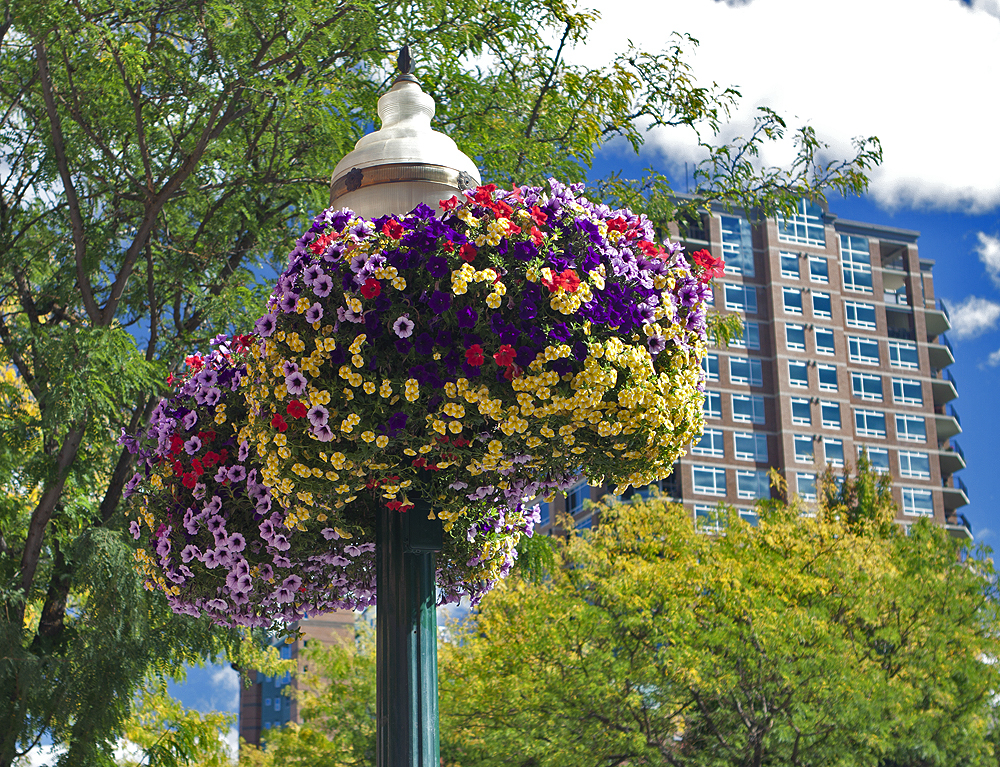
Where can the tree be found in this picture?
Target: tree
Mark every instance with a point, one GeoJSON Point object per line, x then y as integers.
{"type": "Point", "coordinates": [802, 641]}
{"type": "Point", "coordinates": [153, 158]}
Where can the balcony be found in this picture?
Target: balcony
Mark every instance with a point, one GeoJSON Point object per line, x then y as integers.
{"type": "Point", "coordinates": [940, 354]}
{"type": "Point", "coordinates": [955, 496]}
{"type": "Point", "coordinates": [951, 459]}
{"type": "Point", "coordinates": [959, 527]}
{"type": "Point", "coordinates": [944, 387]}
{"type": "Point", "coordinates": [948, 424]}
{"type": "Point", "coordinates": [937, 320]}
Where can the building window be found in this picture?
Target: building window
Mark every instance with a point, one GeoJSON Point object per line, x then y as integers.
{"type": "Point", "coordinates": [827, 377]}
{"type": "Point", "coordinates": [856, 263]}
{"type": "Point", "coordinates": [819, 270]}
{"type": "Point", "coordinates": [713, 404]}
{"type": "Point", "coordinates": [737, 245]}
{"type": "Point", "coordinates": [803, 444]}
{"type": "Point", "coordinates": [906, 391]}
{"type": "Point", "coordinates": [709, 480]}
{"type": "Point", "coordinates": [743, 370]}
{"type": "Point", "coordinates": [544, 513]}
{"type": "Point", "coordinates": [869, 423]}
{"type": "Point", "coordinates": [752, 484]}
{"type": "Point", "coordinates": [751, 447]}
{"type": "Point", "coordinates": [801, 413]}
{"type": "Point", "coordinates": [911, 428]}
{"type": "Point", "coordinates": [903, 355]}
{"type": "Point", "coordinates": [863, 351]}
{"type": "Point", "coordinates": [824, 341]}
{"type": "Point", "coordinates": [709, 519]}
{"type": "Point", "coordinates": [829, 415]}
{"type": "Point", "coordinates": [750, 338]}
{"type": "Point", "coordinates": [798, 373]}
{"type": "Point", "coordinates": [790, 265]}
{"type": "Point", "coordinates": [834, 451]}
{"type": "Point", "coordinates": [877, 456]}
{"type": "Point", "coordinates": [576, 496]}
{"type": "Point", "coordinates": [806, 486]}
{"type": "Point", "coordinates": [267, 702]}
{"type": "Point", "coordinates": [859, 315]}
{"type": "Point", "coordinates": [866, 386]}
{"type": "Point", "coordinates": [792, 298]}
{"type": "Point", "coordinates": [741, 298]}
{"type": "Point", "coordinates": [917, 502]}
{"type": "Point", "coordinates": [805, 226]}
{"type": "Point", "coordinates": [748, 408]}
{"type": "Point", "coordinates": [277, 704]}
{"type": "Point", "coordinates": [710, 364]}
{"type": "Point", "coordinates": [914, 465]}
{"type": "Point", "coordinates": [710, 444]}
{"type": "Point", "coordinates": [795, 337]}
{"type": "Point", "coordinates": [821, 305]}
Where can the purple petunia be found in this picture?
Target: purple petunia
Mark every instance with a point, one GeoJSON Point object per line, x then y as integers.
{"type": "Point", "coordinates": [314, 313]}
{"type": "Point", "coordinates": [265, 325]}
{"type": "Point", "coordinates": [296, 383]}
{"type": "Point", "coordinates": [237, 473]}
{"type": "Point", "coordinates": [403, 327]}
{"type": "Point", "coordinates": [189, 420]}
{"type": "Point", "coordinates": [439, 302]}
{"type": "Point", "coordinates": [467, 317]}
{"type": "Point", "coordinates": [135, 529]}
{"type": "Point", "coordinates": [318, 415]}
{"type": "Point", "coordinates": [192, 446]}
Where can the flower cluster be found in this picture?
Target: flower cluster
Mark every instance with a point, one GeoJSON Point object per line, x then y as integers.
{"type": "Point", "coordinates": [477, 358]}
{"type": "Point", "coordinates": [208, 531]}
{"type": "Point", "coordinates": [472, 360]}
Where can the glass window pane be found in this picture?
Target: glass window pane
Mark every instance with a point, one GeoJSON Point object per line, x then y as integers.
{"type": "Point", "coordinates": [860, 315]}
{"type": "Point", "coordinates": [818, 270]}
{"type": "Point", "coordinates": [827, 377]}
{"type": "Point", "coordinates": [866, 386]}
{"type": "Point", "coordinates": [821, 304]}
{"type": "Point", "coordinates": [792, 300]}
{"type": "Point", "coordinates": [798, 373]}
{"type": "Point", "coordinates": [790, 265]}
{"type": "Point", "coordinates": [795, 337]}
{"type": "Point", "coordinates": [713, 404]}
{"type": "Point", "coordinates": [834, 449]}
{"type": "Point", "coordinates": [824, 341]}
{"type": "Point", "coordinates": [737, 245]}
{"type": "Point", "coordinates": [801, 412]}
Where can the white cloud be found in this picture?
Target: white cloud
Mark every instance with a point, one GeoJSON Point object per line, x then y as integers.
{"type": "Point", "coordinates": [973, 317]}
{"type": "Point", "coordinates": [922, 89]}
{"type": "Point", "coordinates": [994, 359]}
{"type": "Point", "coordinates": [989, 253]}
{"type": "Point", "coordinates": [225, 689]}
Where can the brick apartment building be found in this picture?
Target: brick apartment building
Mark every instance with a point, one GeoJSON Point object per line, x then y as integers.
{"type": "Point", "coordinates": [843, 349]}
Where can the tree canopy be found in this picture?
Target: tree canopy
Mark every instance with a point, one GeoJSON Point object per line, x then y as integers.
{"type": "Point", "coordinates": [827, 639]}
{"type": "Point", "coordinates": [155, 158]}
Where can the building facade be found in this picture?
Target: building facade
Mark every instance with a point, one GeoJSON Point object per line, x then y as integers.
{"type": "Point", "coordinates": [843, 349]}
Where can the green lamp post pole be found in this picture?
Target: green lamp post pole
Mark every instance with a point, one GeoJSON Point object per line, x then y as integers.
{"type": "Point", "coordinates": [391, 171]}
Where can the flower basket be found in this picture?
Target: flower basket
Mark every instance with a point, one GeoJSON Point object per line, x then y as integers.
{"type": "Point", "coordinates": [474, 360]}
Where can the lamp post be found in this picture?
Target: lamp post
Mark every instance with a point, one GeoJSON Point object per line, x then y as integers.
{"type": "Point", "coordinates": [391, 171]}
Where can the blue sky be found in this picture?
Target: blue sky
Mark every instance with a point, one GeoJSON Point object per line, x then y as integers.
{"type": "Point", "coordinates": [919, 74]}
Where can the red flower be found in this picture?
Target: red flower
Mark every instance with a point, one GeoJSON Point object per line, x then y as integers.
{"type": "Point", "coordinates": [223, 455]}
{"type": "Point", "coordinates": [617, 224]}
{"type": "Point", "coordinates": [196, 468]}
{"type": "Point", "coordinates": [468, 252]}
{"type": "Point", "coordinates": [505, 356]}
{"type": "Point", "coordinates": [392, 229]}
{"type": "Point", "coordinates": [189, 481]}
{"type": "Point", "coordinates": [512, 228]}
{"type": "Point", "coordinates": [567, 280]}
{"type": "Point", "coordinates": [484, 194]}
{"type": "Point", "coordinates": [419, 462]}
{"type": "Point", "coordinates": [176, 444]}
{"type": "Point", "coordinates": [474, 355]}
{"type": "Point", "coordinates": [277, 422]}
{"type": "Point", "coordinates": [178, 469]}
{"type": "Point", "coordinates": [195, 361]}
{"type": "Point", "coordinates": [447, 246]}
{"type": "Point", "coordinates": [649, 248]}
{"type": "Point", "coordinates": [713, 267]}
{"type": "Point", "coordinates": [538, 216]}
{"type": "Point", "coordinates": [451, 202]}
{"type": "Point", "coordinates": [211, 458]}
{"type": "Point", "coordinates": [296, 409]}
{"type": "Point", "coordinates": [170, 380]}
{"type": "Point", "coordinates": [244, 342]}
{"type": "Point", "coordinates": [371, 288]}
{"type": "Point", "coordinates": [206, 436]}
{"type": "Point", "coordinates": [536, 235]}
{"type": "Point", "coordinates": [502, 209]}
{"type": "Point", "coordinates": [320, 244]}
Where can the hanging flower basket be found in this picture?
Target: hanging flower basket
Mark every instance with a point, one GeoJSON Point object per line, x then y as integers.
{"type": "Point", "coordinates": [474, 360]}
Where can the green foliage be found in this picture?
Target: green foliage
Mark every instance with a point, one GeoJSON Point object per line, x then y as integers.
{"type": "Point", "coordinates": [156, 161]}
{"type": "Point", "coordinates": [165, 734]}
{"type": "Point", "coordinates": [803, 641]}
